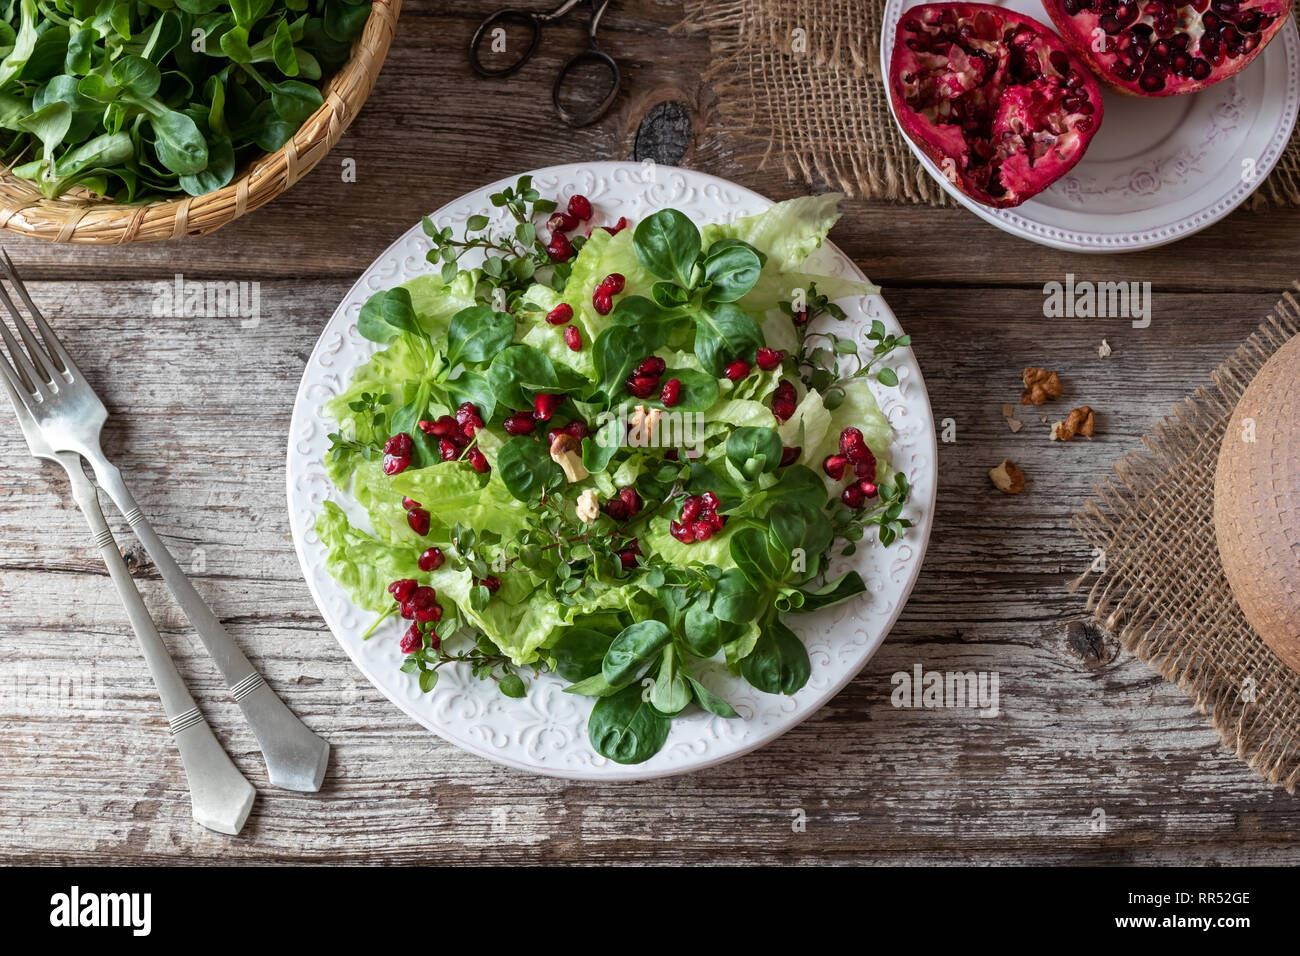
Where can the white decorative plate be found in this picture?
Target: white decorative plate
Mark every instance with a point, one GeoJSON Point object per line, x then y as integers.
{"type": "Point", "coordinates": [1158, 170]}
{"type": "Point", "coordinates": [546, 731]}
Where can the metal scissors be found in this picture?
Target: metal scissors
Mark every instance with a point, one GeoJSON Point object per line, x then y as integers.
{"type": "Point", "coordinates": [534, 21]}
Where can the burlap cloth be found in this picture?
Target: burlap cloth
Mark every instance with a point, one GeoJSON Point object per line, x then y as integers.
{"type": "Point", "coordinates": [822, 114]}
{"type": "Point", "coordinates": [1163, 592]}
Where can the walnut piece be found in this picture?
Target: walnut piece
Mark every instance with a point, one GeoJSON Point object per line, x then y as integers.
{"type": "Point", "coordinates": [1040, 386]}
{"type": "Point", "coordinates": [1009, 413]}
{"type": "Point", "coordinates": [566, 451]}
{"type": "Point", "coordinates": [1103, 350]}
{"type": "Point", "coordinates": [1008, 477]}
{"type": "Point", "coordinates": [1080, 421]}
{"type": "Point", "coordinates": [588, 507]}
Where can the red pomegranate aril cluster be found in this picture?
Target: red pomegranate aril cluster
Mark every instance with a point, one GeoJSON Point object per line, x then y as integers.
{"type": "Point", "coordinates": [455, 433]}
{"type": "Point", "coordinates": [645, 378]}
{"type": "Point", "coordinates": [736, 370]}
{"type": "Point", "coordinates": [853, 451]}
{"type": "Point", "coordinates": [431, 560]}
{"type": "Point", "coordinates": [768, 359]}
{"type": "Point", "coordinates": [562, 314]}
{"type": "Point", "coordinates": [627, 504]}
{"type": "Point", "coordinates": [784, 401]}
{"type": "Point", "coordinates": [418, 603]}
{"type": "Point", "coordinates": [560, 249]}
{"type": "Point", "coordinates": [397, 454]}
{"type": "Point", "coordinates": [699, 519]}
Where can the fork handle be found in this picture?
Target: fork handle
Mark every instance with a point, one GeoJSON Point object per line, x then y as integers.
{"type": "Point", "coordinates": [295, 757]}
{"type": "Point", "coordinates": [220, 797]}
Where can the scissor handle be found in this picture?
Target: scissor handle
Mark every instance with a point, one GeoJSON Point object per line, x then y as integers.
{"type": "Point", "coordinates": [531, 20]}
{"type": "Point", "coordinates": [593, 54]}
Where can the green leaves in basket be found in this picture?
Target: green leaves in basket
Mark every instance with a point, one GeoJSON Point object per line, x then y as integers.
{"type": "Point", "coordinates": [134, 101]}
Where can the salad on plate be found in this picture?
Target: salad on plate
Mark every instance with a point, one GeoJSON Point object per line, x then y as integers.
{"type": "Point", "coordinates": [611, 452]}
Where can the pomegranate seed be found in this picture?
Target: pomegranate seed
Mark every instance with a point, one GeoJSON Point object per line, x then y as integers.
{"type": "Point", "coordinates": [461, 440]}
{"type": "Point", "coordinates": [703, 530]}
{"type": "Point", "coordinates": [853, 496]}
{"type": "Point", "coordinates": [559, 248]}
{"type": "Point", "coordinates": [434, 640]}
{"type": "Point", "coordinates": [642, 386]}
{"type": "Point", "coordinates": [429, 615]}
{"type": "Point", "coordinates": [399, 446]}
{"type": "Point", "coordinates": [412, 640]}
{"type": "Point", "coordinates": [478, 460]}
{"type": "Point", "coordinates": [602, 301]}
{"type": "Point", "coordinates": [616, 508]}
{"type": "Point", "coordinates": [769, 359]}
{"type": "Point", "coordinates": [716, 520]}
{"type": "Point", "coordinates": [396, 464]}
{"type": "Point", "coordinates": [408, 611]}
{"type": "Point", "coordinates": [431, 560]}
{"type": "Point", "coordinates": [790, 455]}
{"type": "Point", "coordinates": [561, 222]}
{"type": "Point", "coordinates": [834, 466]}
{"type": "Point", "coordinates": [576, 429]}
{"type": "Point", "coordinates": [418, 519]}
{"type": "Point", "coordinates": [520, 423]}
{"type": "Point", "coordinates": [784, 401]}
{"type": "Point", "coordinates": [492, 583]}
{"type": "Point", "coordinates": [850, 438]}
{"type": "Point", "coordinates": [447, 450]}
{"type": "Point", "coordinates": [544, 406]}
{"type": "Point", "coordinates": [629, 497]}
{"type": "Point", "coordinates": [691, 509]}
{"type": "Point", "coordinates": [868, 487]}
{"type": "Point", "coordinates": [573, 338]}
{"type": "Point", "coordinates": [709, 500]}
{"type": "Point", "coordinates": [561, 314]}
{"type": "Point", "coordinates": [402, 589]}
{"type": "Point", "coordinates": [672, 392]}
{"type": "Point", "coordinates": [800, 318]}
{"type": "Point", "coordinates": [409, 503]}
{"type": "Point", "coordinates": [579, 207]}
{"type": "Point", "coordinates": [444, 427]}
{"type": "Point", "coordinates": [864, 466]}
{"type": "Point", "coordinates": [613, 283]}
{"type": "Point", "coordinates": [652, 365]}
{"type": "Point", "coordinates": [736, 370]}
{"type": "Point", "coordinates": [627, 558]}
{"type": "Point", "coordinates": [671, 455]}
{"type": "Point", "coordinates": [424, 596]}
{"type": "Point", "coordinates": [681, 532]}
{"type": "Point", "coordinates": [618, 226]}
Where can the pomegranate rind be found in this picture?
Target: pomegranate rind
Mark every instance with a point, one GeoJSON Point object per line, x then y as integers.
{"type": "Point", "coordinates": [1082, 31]}
{"type": "Point", "coordinates": [971, 103]}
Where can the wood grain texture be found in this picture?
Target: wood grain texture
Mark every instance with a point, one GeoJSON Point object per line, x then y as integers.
{"type": "Point", "coordinates": [200, 419]}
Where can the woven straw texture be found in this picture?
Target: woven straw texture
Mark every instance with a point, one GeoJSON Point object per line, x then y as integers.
{"type": "Point", "coordinates": [84, 219]}
{"type": "Point", "coordinates": [1163, 592]}
{"type": "Point", "coordinates": [822, 113]}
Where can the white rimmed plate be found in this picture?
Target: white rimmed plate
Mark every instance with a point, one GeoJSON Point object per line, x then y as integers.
{"type": "Point", "coordinates": [546, 731]}
{"type": "Point", "coordinates": [1158, 169]}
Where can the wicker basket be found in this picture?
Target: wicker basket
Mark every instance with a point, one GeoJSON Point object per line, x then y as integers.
{"type": "Point", "coordinates": [88, 220]}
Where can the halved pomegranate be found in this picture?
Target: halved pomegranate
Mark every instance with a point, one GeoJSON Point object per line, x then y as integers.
{"type": "Point", "coordinates": [992, 96]}
{"type": "Point", "coordinates": [1161, 48]}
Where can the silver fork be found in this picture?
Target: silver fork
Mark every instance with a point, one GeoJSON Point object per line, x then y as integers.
{"type": "Point", "coordinates": [220, 797]}
{"type": "Point", "coordinates": [70, 417]}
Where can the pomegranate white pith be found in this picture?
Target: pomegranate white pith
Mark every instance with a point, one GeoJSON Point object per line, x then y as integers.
{"type": "Point", "coordinates": [993, 97]}
{"type": "Point", "coordinates": [1160, 48]}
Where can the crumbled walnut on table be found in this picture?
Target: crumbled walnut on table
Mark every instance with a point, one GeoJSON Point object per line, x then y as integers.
{"type": "Point", "coordinates": [1080, 421]}
{"type": "Point", "coordinates": [1009, 413]}
{"type": "Point", "coordinates": [1104, 350]}
{"type": "Point", "coordinates": [1008, 477]}
{"type": "Point", "coordinates": [1040, 386]}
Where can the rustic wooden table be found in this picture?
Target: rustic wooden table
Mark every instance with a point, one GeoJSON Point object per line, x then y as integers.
{"type": "Point", "coordinates": [201, 412]}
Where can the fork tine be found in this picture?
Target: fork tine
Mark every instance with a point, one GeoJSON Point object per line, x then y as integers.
{"type": "Point", "coordinates": [20, 375]}
{"type": "Point", "coordinates": [52, 342]}
{"type": "Point", "coordinates": [31, 380]}
{"type": "Point", "coordinates": [40, 361]}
